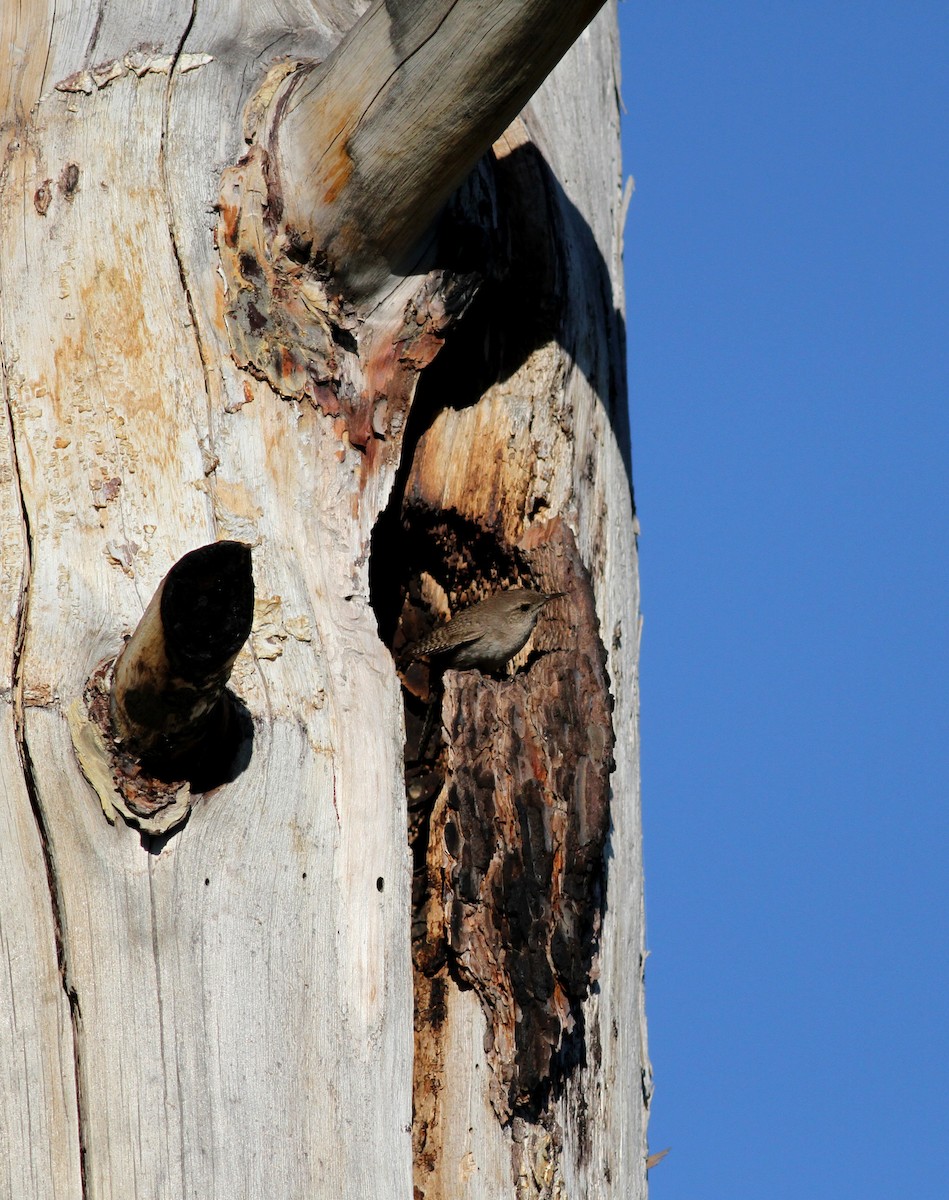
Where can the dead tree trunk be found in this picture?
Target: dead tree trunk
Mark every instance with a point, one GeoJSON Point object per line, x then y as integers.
{"type": "Point", "coordinates": [347, 292]}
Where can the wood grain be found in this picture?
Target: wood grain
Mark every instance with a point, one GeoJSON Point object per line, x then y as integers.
{"type": "Point", "coordinates": [369, 145]}
{"type": "Point", "coordinates": [228, 1011]}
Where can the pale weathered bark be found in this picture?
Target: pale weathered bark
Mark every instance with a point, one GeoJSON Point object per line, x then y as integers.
{"type": "Point", "coordinates": [228, 1010]}
{"type": "Point", "coordinates": [394, 86]}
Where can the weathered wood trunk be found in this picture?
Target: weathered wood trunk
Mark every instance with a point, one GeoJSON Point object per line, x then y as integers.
{"type": "Point", "coordinates": [209, 331]}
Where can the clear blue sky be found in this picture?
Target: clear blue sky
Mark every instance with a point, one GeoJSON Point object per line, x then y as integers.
{"type": "Point", "coordinates": [787, 258]}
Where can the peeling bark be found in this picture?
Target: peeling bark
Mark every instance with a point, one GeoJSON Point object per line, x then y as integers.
{"type": "Point", "coordinates": [512, 874]}
{"type": "Point", "coordinates": [291, 326]}
{"type": "Point", "coordinates": [520, 840]}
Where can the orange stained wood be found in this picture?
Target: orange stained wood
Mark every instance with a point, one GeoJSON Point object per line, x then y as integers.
{"type": "Point", "coordinates": [336, 167]}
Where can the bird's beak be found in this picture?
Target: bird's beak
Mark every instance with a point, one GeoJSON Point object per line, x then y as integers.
{"type": "Point", "coordinates": [554, 596]}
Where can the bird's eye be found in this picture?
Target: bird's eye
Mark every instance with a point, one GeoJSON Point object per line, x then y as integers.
{"type": "Point", "coordinates": [525, 605]}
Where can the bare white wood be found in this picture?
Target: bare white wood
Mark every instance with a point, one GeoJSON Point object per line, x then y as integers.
{"type": "Point", "coordinates": [39, 1123]}
{"type": "Point", "coordinates": [275, 997]}
{"type": "Point", "coordinates": [243, 1010]}
{"type": "Point", "coordinates": [605, 1151]}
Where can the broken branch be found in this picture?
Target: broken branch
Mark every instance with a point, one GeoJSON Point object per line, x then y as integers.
{"type": "Point", "coordinates": [371, 143]}
{"type": "Point", "coordinates": [169, 679]}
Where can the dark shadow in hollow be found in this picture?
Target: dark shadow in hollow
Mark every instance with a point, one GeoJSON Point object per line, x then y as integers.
{"type": "Point", "coordinates": [513, 225]}
{"type": "Point", "coordinates": [222, 754]}
{"type": "Point", "coordinates": [221, 759]}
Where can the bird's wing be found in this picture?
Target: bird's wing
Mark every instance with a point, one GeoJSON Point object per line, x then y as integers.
{"type": "Point", "coordinates": [433, 644]}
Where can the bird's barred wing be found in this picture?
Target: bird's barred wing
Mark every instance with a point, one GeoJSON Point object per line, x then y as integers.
{"type": "Point", "coordinates": [438, 643]}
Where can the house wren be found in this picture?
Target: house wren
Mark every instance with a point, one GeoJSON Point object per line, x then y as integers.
{"type": "Point", "coordinates": [486, 635]}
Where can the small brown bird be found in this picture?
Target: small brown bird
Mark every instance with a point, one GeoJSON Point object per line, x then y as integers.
{"type": "Point", "coordinates": [488, 634]}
